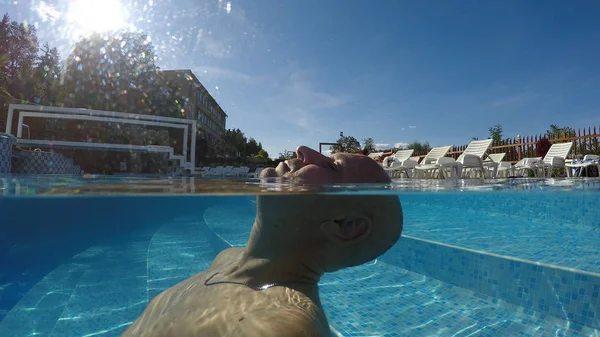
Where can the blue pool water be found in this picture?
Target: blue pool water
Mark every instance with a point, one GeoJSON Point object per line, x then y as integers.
{"type": "Point", "coordinates": [493, 259]}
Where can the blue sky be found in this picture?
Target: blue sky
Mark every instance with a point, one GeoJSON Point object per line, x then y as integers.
{"type": "Point", "coordinates": [298, 72]}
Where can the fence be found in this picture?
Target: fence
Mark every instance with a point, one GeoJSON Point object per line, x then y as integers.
{"type": "Point", "coordinates": [584, 142]}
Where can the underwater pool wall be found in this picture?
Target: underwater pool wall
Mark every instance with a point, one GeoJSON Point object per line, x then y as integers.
{"type": "Point", "coordinates": [536, 203]}
{"type": "Point", "coordinates": [565, 293]}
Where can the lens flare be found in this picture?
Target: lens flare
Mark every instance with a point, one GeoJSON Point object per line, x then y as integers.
{"type": "Point", "coordinates": [97, 16]}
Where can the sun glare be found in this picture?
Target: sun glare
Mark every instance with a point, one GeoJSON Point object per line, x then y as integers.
{"type": "Point", "coordinates": [89, 16]}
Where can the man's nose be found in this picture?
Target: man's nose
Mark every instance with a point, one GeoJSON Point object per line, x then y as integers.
{"type": "Point", "coordinates": [310, 156]}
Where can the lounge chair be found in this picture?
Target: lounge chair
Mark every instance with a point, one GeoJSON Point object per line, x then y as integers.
{"type": "Point", "coordinates": [431, 165]}
{"type": "Point", "coordinates": [243, 172]}
{"type": "Point", "coordinates": [494, 163]}
{"type": "Point", "coordinates": [400, 163]}
{"type": "Point", "coordinates": [226, 170]}
{"type": "Point", "coordinates": [254, 174]}
{"type": "Point", "coordinates": [375, 155]}
{"type": "Point", "coordinates": [471, 159]}
{"type": "Point", "coordinates": [416, 158]}
{"type": "Point", "coordinates": [215, 171]}
{"type": "Point", "coordinates": [577, 167]}
{"type": "Point", "coordinates": [237, 172]}
{"type": "Point", "coordinates": [555, 158]}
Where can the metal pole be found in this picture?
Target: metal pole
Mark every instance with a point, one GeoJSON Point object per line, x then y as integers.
{"type": "Point", "coordinates": [519, 147]}
{"type": "Point", "coordinates": [9, 118]}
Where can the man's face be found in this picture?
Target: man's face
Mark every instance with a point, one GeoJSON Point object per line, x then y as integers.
{"type": "Point", "coordinates": [314, 168]}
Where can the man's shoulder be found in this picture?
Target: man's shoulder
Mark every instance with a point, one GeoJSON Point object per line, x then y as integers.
{"type": "Point", "coordinates": [289, 321]}
{"type": "Point", "coordinates": [226, 256]}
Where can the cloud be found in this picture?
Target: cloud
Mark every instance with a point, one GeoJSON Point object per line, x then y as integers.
{"type": "Point", "coordinates": [47, 12]}
{"type": "Point", "coordinates": [401, 145]}
{"type": "Point", "coordinates": [412, 127]}
{"type": "Point", "coordinates": [212, 46]}
{"type": "Point", "coordinates": [299, 86]}
{"type": "Point", "coordinates": [382, 146]}
{"type": "Point", "coordinates": [298, 100]}
{"type": "Point", "coordinates": [295, 97]}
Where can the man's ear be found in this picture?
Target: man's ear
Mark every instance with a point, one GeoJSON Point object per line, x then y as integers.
{"type": "Point", "coordinates": [347, 230]}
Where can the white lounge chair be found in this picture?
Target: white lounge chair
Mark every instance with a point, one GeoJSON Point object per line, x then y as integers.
{"type": "Point", "coordinates": [215, 171]}
{"type": "Point", "coordinates": [227, 169]}
{"type": "Point", "coordinates": [233, 173]}
{"type": "Point", "coordinates": [375, 155]}
{"type": "Point", "coordinates": [243, 172]}
{"type": "Point", "coordinates": [416, 158]}
{"type": "Point", "coordinates": [494, 163]}
{"type": "Point", "coordinates": [471, 160]}
{"type": "Point", "coordinates": [254, 174]}
{"type": "Point", "coordinates": [431, 165]}
{"type": "Point", "coordinates": [555, 158]}
{"type": "Point", "coordinates": [576, 168]}
{"type": "Point", "coordinates": [401, 162]}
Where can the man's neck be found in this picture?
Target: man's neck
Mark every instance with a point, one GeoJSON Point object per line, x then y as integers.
{"type": "Point", "coordinates": [271, 257]}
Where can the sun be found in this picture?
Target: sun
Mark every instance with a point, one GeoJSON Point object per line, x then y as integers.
{"type": "Point", "coordinates": [96, 16]}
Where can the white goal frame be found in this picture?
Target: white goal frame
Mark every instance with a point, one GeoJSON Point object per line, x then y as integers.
{"type": "Point", "coordinates": [37, 111]}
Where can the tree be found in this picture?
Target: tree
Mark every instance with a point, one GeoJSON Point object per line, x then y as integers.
{"type": "Point", "coordinates": [348, 144]}
{"type": "Point", "coordinates": [117, 72]}
{"type": "Point", "coordinates": [237, 139]}
{"type": "Point", "coordinates": [368, 145]}
{"type": "Point", "coordinates": [3, 62]}
{"type": "Point", "coordinates": [287, 155]}
{"type": "Point", "coordinates": [252, 147]}
{"type": "Point", "coordinates": [19, 42]}
{"type": "Point", "coordinates": [560, 132]}
{"type": "Point", "coordinates": [47, 75]}
{"type": "Point", "coordinates": [495, 133]}
{"type": "Point", "coordinates": [262, 154]}
{"type": "Point", "coordinates": [246, 147]}
{"type": "Point", "coordinates": [419, 147]}
{"type": "Point", "coordinates": [542, 147]}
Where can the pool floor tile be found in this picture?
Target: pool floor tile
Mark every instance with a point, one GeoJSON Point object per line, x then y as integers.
{"type": "Point", "coordinates": [379, 299]}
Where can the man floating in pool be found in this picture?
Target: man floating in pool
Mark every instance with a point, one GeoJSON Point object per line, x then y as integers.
{"type": "Point", "coordinates": [269, 288]}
